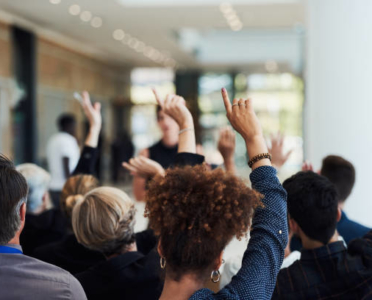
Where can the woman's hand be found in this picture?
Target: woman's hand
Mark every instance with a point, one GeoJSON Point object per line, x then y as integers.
{"type": "Point", "coordinates": [279, 158]}
{"type": "Point", "coordinates": [144, 167]}
{"type": "Point", "coordinates": [244, 120]}
{"type": "Point", "coordinates": [175, 106]}
{"type": "Point", "coordinates": [93, 114]}
{"type": "Point", "coordinates": [226, 146]}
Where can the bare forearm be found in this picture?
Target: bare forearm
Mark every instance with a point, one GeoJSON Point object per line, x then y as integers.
{"type": "Point", "coordinates": [230, 165]}
{"type": "Point", "coordinates": [187, 141]}
{"type": "Point", "coordinates": [92, 138]}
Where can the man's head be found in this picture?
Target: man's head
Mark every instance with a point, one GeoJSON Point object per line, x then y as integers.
{"type": "Point", "coordinates": [167, 124]}
{"type": "Point", "coordinates": [13, 196]}
{"type": "Point", "coordinates": [312, 206]}
{"type": "Point", "coordinates": [341, 173]}
{"type": "Point", "coordinates": [38, 182]}
{"type": "Point", "coordinates": [67, 123]}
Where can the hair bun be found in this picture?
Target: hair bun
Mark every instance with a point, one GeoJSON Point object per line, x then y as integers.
{"type": "Point", "coordinates": [72, 200]}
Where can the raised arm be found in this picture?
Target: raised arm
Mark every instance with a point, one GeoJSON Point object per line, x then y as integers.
{"type": "Point", "coordinates": [88, 156]}
{"type": "Point", "coordinates": [279, 157]}
{"type": "Point", "coordinates": [264, 255]}
{"type": "Point", "coordinates": [226, 146]}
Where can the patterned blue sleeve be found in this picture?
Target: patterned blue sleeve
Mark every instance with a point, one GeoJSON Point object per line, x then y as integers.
{"type": "Point", "coordinates": [265, 253]}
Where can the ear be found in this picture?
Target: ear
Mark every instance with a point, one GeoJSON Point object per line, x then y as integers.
{"type": "Point", "coordinates": [339, 213]}
{"type": "Point", "coordinates": [159, 249]}
{"type": "Point", "coordinates": [22, 212]}
{"type": "Point", "coordinates": [219, 261]}
{"type": "Point", "coordinates": [293, 227]}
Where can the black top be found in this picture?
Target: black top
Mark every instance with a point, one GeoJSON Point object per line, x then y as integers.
{"type": "Point", "coordinates": [87, 161]}
{"type": "Point", "coordinates": [69, 255]}
{"type": "Point", "coordinates": [165, 156]}
{"type": "Point", "coordinates": [129, 276]}
{"type": "Point", "coordinates": [46, 228]}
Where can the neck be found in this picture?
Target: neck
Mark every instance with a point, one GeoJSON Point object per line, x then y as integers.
{"type": "Point", "coordinates": [170, 140]}
{"type": "Point", "coordinates": [180, 290]}
{"type": "Point", "coordinates": [15, 240]}
{"type": "Point", "coordinates": [341, 205]}
{"type": "Point", "coordinates": [132, 248]}
{"type": "Point", "coordinates": [310, 244]}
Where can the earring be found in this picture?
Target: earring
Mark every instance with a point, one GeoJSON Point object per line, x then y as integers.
{"type": "Point", "coordinates": [163, 262]}
{"type": "Point", "coordinates": [215, 276]}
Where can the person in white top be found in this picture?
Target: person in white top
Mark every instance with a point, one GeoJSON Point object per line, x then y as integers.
{"type": "Point", "coordinates": [63, 154]}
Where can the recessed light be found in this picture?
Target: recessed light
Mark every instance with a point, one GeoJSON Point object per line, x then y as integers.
{"type": "Point", "coordinates": [96, 22]}
{"type": "Point", "coordinates": [74, 10]}
{"type": "Point", "coordinates": [133, 43]}
{"type": "Point", "coordinates": [118, 34]}
{"type": "Point", "coordinates": [225, 7]}
{"type": "Point", "coordinates": [140, 47]}
{"type": "Point", "coordinates": [235, 23]}
{"type": "Point", "coordinates": [237, 27]}
{"type": "Point", "coordinates": [55, 1]}
{"type": "Point", "coordinates": [86, 16]}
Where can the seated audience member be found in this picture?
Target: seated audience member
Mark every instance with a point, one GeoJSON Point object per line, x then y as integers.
{"type": "Point", "coordinates": [68, 253]}
{"type": "Point", "coordinates": [325, 269]}
{"type": "Point", "coordinates": [62, 154]}
{"type": "Point", "coordinates": [23, 277]}
{"type": "Point", "coordinates": [195, 212]}
{"type": "Point", "coordinates": [103, 221]}
{"type": "Point", "coordinates": [43, 226]}
{"type": "Point", "coordinates": [342, 174]}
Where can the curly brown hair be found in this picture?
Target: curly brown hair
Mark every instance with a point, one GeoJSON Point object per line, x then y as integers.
{"type": "Point", "coordinates": [195, 212]}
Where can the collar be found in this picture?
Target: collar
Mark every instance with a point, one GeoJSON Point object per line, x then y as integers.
{"type": "Point", "coordinates": [327, 250]}
{"type": "Point", "coordinates": [11, 249]}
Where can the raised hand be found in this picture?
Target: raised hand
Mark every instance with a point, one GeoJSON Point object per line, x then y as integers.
{"type": "Point", "coordinates": [92, 112]}
{"type": "Point", "coordinates": [244, 120]}
{"type": "Point", "coordinates": [279, 158]}
{"type": "Point", "coordinates": [175, 107]}
{"type": "Point", "coordinates": [307, 166]}
{"type": "Point", "coordinates": [144, 167]}
{"type": "Point", "coordinates": [226, 145]}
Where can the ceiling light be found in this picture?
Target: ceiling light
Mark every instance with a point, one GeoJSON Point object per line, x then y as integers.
{"type": "Point", "coordinates": [148, 51]}
{"type": "Point", "coordinates": [118, 34]}
{"type": "Point", "coordinates": [271, 66]}
{"type": "Point", "coordinates": [55, 1]}
{"type": "Point", "coordinates": [86, 16]}
{"type": "Point", "coordinates": [225, 7]}
{"type": "Point", "coordinates": [96, 22]}
{"type": "Point", "coordinates": [235, 23]}
{"type": "Point", "coordinates": [133, 43]}
{"type": "Point", "coordinates": [232, 18]}
{"type": "Point", "coordinates": [127, 38]}
{"type": "Point", "coordinates": [74, 10]}
{"type": "Point", "coordinates": [140, 47]}
{"type": "Point", "coordinates": [237, 28]}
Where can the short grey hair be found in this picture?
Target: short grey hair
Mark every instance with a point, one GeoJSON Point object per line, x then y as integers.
{"type": "Point", "coordinates": [38, 181]}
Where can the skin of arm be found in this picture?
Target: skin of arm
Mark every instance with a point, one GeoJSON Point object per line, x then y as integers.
{"type": "Point", "coordinates": [139, 183]}
{"type": "Point", "coordinates": [226, 146]}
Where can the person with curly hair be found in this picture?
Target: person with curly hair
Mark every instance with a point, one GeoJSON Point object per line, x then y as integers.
{"type": "Point", "coordinates": [196, 212]}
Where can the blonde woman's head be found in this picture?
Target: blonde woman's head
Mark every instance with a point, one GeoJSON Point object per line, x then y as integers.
{"type": "Point", "coordinates": [74, 190]}
{"type": "Point", "coordinates": [104, 221]}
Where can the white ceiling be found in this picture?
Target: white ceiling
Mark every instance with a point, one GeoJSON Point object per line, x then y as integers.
{"type": "Point", "coordinates": [158, 23]}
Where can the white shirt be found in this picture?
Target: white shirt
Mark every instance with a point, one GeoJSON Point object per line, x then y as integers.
{"type": "Point", "coordinates": [61, 145]}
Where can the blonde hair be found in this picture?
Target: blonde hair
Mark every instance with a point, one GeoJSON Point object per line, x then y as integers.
{"type": "Point", "coordinates": [104, 220]}
{"type": "Point", "coordinates": [74, 190]}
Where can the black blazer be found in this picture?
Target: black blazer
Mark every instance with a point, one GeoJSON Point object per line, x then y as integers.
{"type": "Point", "coordinates": [131, 275]}
{"type": "Point", "coordinates": [69, 255]}
{"type": "Point", "coordinates": [43, 229]}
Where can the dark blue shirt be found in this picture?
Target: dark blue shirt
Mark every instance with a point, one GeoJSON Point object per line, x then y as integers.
{"type": "Point", "coordinates": [350, 230]}
{"type": "Point", "coordinates": [264, 256]}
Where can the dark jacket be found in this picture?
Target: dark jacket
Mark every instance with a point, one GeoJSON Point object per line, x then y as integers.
{"type": "Point", "coordinates": [43, 229]}
{"type": "Point", "coordinates": [132, 275]}
{"type": "Point", "coordinates": [69, 255]}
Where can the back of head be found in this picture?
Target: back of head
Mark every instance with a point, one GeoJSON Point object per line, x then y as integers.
{"type": "Point", "coordinates": [104, 221]}
{"type": "Point", "coordinates": [74, 190]}
{"type": "Point", "coordinates": [38, 182]}
{"type": "Point", "coordinates": [341, 173]}
{"type": "Point", "coordinates": [196, 212]}
{"type": "Point", "coordinates": [13, 193]}
{"type": "Point", "coordinates": [313, 204]}
{"type": "Point", "coordinates": [66, 122]}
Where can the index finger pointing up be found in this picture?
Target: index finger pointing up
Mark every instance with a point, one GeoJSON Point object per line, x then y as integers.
{"type": "Point", "coordinates": [226, 100]}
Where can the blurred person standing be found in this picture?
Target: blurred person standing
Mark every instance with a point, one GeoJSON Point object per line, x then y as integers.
{"type": "Point", "coordinates": [163, 152]}
{"type": "Point", "coordinates": [63, 154]}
